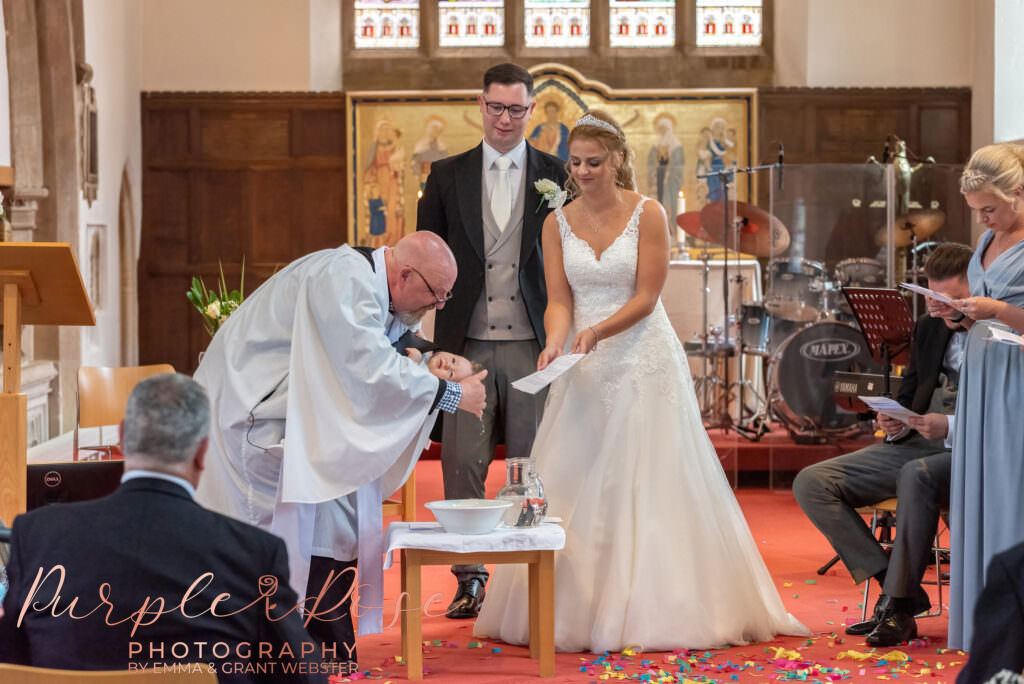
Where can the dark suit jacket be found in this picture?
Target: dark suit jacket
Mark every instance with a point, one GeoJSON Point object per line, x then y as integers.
{"type": "Point", "coordinates": [931, 336]}
{"type": "Point", "coordinates": [147, 539]}
{"type": "Point", "coordinates": [451, 207]}
{"type": "Point", "coordinates": [998, 641]}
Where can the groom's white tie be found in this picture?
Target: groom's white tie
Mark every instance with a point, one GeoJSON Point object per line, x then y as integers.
{"type": "Point", "coordinates": [501, 195]}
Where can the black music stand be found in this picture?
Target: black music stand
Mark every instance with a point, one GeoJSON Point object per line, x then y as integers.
{"type": "Point", "coordinates": [886, 323]}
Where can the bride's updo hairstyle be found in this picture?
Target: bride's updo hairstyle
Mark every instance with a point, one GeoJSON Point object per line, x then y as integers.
{"type": "Point", "coordinates": [600, 126]}
{"type": "Point", "coordinates": [999, 167]}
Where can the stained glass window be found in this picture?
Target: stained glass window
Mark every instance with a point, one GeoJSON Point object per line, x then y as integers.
{"type": "Point", "coordinates": [728, 23]}
{"type": "Point", "coordinates": [387, 23]}
{"type": "Point", "coordinates": [471, 23]}
{"type": "Point", "coordinates": [642, 23]}
{"type": "Point", "coordinates": [556, 23]}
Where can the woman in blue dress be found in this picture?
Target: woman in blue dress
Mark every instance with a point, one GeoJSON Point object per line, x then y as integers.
{"type": "Point", "coordinates": [987, 489]}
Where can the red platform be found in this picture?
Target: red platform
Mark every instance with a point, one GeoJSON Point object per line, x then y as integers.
{"type": "Point", "coordinates": [775, 451]}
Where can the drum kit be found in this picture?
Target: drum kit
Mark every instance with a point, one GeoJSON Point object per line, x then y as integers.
{"type": "Point", "coordinates": [803, 327]}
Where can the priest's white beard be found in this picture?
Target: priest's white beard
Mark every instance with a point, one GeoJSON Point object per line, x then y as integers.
{"type": "Point", "coordinates": [411, 318]}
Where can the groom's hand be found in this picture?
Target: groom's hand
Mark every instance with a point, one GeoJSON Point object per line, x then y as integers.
{"type": "Point", "coordinates": [474, 396]}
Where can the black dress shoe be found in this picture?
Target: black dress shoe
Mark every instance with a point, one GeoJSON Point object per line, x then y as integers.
{"type": "Point", "coordinates": [466, 604]}
{"type": "Point", "coordinates": [882, 606]}
{"type": "Point", "coordinates": [896, 628]}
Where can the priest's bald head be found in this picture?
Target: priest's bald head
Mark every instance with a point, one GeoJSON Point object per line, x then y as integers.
{"type": "Point", "coordinates": [421, 273]}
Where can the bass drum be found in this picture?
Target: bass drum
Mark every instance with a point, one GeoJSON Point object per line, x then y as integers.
{"type": "Point", "coordinates": [801, 376]}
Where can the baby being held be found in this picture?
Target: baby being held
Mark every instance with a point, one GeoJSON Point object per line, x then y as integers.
{"type": "Point", "coordinates": [446, 365]}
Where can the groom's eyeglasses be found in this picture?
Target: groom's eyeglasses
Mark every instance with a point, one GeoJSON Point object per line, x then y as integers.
{"type": "Point", "coordinates": [437, 299]}
{"type": "Point", "coordinates": [514, 111]}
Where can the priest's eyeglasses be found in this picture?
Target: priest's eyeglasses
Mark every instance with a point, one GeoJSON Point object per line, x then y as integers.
{"type": "Point", "coordinates": [438, 300]}
{"type": "Point", "coordinates": [514, 111]}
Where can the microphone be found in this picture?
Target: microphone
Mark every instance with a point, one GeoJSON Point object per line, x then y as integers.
{"type": "Point", "coordinates": [782, 152]}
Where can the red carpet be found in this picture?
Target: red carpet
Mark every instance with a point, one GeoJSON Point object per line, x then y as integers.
{"type": "Point", "coordinates": [792, 548]}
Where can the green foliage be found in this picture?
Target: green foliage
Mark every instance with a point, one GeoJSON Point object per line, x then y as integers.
{"type": "Point", "coordinates": [216, 305]}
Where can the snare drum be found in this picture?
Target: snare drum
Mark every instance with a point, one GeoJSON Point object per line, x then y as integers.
{"type": "Point", "coordinates": [795, 289]}
{"type": "Point", "coordinates": [800, 376]}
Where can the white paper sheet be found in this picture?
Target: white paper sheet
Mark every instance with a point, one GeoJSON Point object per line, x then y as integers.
{"type": "Point", "coordinates": [889, 407]}
{"type": "Point", "coordinates": [535, 382]}
{"type": "Point", "coordinates": [1005, 336]}
{"type": "Point", "coordinates": [937, 296]}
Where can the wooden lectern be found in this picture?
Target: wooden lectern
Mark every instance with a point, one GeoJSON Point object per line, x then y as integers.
{"type": "Point", "coordinates": [39, 285]}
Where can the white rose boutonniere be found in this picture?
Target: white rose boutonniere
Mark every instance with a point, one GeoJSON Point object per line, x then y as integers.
{"type": "Point", "coordinates": [549, 190]}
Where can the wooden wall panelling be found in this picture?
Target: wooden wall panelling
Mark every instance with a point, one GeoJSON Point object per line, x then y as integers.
{"type": "Point", "coordinates": [227, 175]}
{"type": "Point", "coordinates": [841, 125]}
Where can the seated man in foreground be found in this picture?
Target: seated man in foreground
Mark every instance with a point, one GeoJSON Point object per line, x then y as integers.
{"type": "Point", "coordinates": [129, 560]}
{"type": "Point", "coordinates": [911, 464]}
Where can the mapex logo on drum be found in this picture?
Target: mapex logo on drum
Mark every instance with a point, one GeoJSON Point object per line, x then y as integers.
{"type": "Point", "coordinates": [829, 349]}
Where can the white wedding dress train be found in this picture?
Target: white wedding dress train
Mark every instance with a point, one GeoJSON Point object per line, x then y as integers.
{"type": "Point", "coordinates": [658, 553]}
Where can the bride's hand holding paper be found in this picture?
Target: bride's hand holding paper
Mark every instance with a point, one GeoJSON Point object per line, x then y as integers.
{"type": "Point", "coordinates": [547, 355]}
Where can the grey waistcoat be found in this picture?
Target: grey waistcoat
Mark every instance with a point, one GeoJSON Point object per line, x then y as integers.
{"type": "Point", "coordinates": [500, 314]}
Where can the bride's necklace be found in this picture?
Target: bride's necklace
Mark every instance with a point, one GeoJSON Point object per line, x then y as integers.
{"type": "Point", "coordinates": [594, 226]}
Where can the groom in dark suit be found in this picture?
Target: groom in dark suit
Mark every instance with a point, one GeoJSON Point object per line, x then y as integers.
{"type": "Point", "coordinates": [911, 464]}
{"type": "Point", "coordinates": [149, 542]}
{"type": "Point", "coordinates": [484, 204]}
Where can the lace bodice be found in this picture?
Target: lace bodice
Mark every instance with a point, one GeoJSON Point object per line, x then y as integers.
{"type": "Point", "coordinates": [601, 283]}
{"type": "Point", "coordinates": [641, 356]}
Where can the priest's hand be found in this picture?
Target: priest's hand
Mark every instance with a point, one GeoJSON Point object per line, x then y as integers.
{"type": "Point", "coordinates": [474, 396]}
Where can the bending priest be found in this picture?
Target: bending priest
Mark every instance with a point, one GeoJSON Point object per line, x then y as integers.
{"type": "Point", "coordinates": [309, 355]}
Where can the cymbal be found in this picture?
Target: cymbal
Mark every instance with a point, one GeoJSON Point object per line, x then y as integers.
{"type": "Point", "coordinates": [921, 222]}
{"type": "Point", "coordinates": [760, 234]}
{"type": "Point", "coordinates": [690, 223]}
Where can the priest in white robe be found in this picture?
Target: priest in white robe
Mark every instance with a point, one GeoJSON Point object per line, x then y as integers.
{"type": "Point", "coordinates": [315, 415]}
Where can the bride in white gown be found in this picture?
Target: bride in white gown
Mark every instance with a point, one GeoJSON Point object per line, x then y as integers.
{"type": "Point", "coordinates": [658, 553]}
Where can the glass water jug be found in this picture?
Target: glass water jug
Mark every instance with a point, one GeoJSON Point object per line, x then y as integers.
{"type": "Point", "coordinates": [526, 492]}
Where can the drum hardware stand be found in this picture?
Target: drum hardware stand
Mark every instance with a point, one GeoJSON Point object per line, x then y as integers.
{"type": "Point", "coordinates": [731, 228]}
{"type": "Point", "coordinates": [913, 274]}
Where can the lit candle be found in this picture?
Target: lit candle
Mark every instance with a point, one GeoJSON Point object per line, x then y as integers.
{"type": "Point", "coordinates": [682, 202]}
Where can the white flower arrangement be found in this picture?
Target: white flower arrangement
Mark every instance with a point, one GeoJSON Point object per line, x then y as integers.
{"type": "Point", "coordinates": [551, 192]}
{"type": "Point", "coordinates": [216, 305]}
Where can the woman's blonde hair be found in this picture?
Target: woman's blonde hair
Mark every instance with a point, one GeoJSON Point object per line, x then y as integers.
{"type": "Point", "coordinates": [1000, 166]}
{"type": "Point", "coordinates": [625, 176]}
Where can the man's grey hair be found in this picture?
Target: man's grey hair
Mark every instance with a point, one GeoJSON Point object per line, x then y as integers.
{"type": "Point", "coordinates": [166, 418]}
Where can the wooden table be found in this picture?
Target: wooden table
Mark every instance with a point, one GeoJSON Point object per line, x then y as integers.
{"type": "Point", "coordinates": [542, 600]}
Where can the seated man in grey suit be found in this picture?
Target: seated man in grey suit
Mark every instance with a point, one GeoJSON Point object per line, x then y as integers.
{"type": "Point", "coordinates": [913, 465]}
{"type": "Point", "coordinates": [145, 547]}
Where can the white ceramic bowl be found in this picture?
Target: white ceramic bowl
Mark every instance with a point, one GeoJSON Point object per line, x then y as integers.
{"type": "Point", "coordinates": [468, 516]}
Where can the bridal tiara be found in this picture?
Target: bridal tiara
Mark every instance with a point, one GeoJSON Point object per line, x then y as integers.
{"type": "Point", "coordinates": [591, 120]}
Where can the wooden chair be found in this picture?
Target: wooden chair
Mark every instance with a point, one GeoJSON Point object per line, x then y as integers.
{"type": "Point", "coordinates": [102, 397]}
{"type": "Point", "coordinates": [407, 506]}
{"type": "Point", "coordinates": [888, 508]}
{"type": "Point", "coordinates": [23, 674]}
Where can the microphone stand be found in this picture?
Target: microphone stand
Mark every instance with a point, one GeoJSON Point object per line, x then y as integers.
{"type": "Point", "coordinates": [731, 229]}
